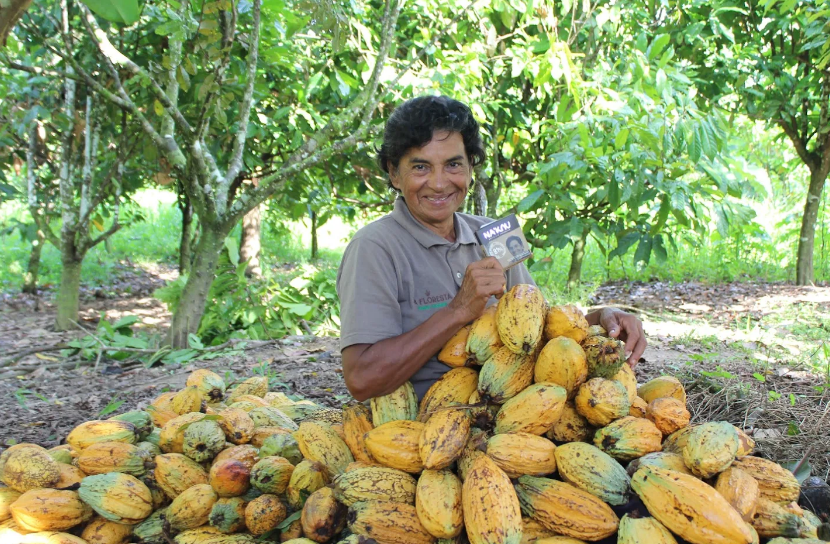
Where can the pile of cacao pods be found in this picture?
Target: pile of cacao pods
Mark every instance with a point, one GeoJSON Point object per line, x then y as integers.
{"type": "Point", "coordinates": [539, 433]}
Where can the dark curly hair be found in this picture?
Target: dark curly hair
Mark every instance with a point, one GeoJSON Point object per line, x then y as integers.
{"type": "Point", "coordinates": [413, 123]}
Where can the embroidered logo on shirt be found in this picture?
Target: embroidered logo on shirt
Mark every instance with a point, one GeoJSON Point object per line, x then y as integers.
{"type": "Point", "coordinates": [430, 302]}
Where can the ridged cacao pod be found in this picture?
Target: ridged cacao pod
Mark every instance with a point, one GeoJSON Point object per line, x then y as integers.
{"type": "Point", "coordinates": [438, 503]}
{"type": "Point", "coordinates": [746, 445]}
{"type": "Point", "coordinates": [639, 407]}
{"type": "Point", "coordinates": [505, 375]}
{"type": "Point", "coordinates": [320, 414]}
{"type": "Point", "coordinates": [602, 401]}
{"type": "Point", "coordinates": [740, 490]}
{"type": "Point", "coordinates": [605, 356]}
{"type": "Point", "coordinates": [562, 361]}
{"type": "Point", "coordinates": [710, 448]}
{"type": "Point", "coordinates": [188, 400]}
{"type": "Point", "coordinates": [151, 449]}
{"type": "Point", "coordinates": [322, 517]}
{"type": "Point", "coordinates": [228, 515]}
{"type": "Point", "coordinates": [267, 416]}
{"type": "Point", "coordinates": [142, 420]}
{"type": "Point", "coordinates": [230, 477]}
{"type": "Point", "coordinates": [356, 423]}
{"type": "Point", "coordinates": [628, 438]}
{"type": "Point", "coordinates": [676, 441]}
{"type": "Point", "coordinates": [281, 445]}
{"type": "Point", "coordinates": [210, 384]}
{"type": "Point", "coordinates": [443, 438]}
{"type": "Point", "coordinates": [570, 427]}
{"type": "Point", "coordinates": [30, 468]}
{"type": "Point", "coordinates": [771, 520]}
{"type": "Point", "coordinates": [625, 375]}
{"type": "Point", "coordinates": [174, 473]}
{"type": "Point", "coordinates": [117, 497]}
{"type": "Point", "coordinates": [51, 537]}
{"type": "Point", "coordinates": [520, 318]}
{"type": "Point", "coordinates": [49, 510]}
{"type": "Point", "coordinates": [660, 459]}
{"type": "Point", "coordinates": [483, 414]}
{"type": "Point", "coordinates": [668, 414]}
{"type": "Point", "coordinates": [191, 508]}
{"type": "Point", "coordinates": [151, 530]}
{"type": "Point", "coordinates": [774, 481]}
{"type": "Point", "coordinates": [375, 484]}
{"type": "Point", "coordinates": [663, 386]}
{"type": "Point", "coordinates": [689, 508]}
{"type": "Point", "coordinates": [100, 530]}
{"type": "Point", "coordinates": [210, 535]}
{"type": "Point", "coordinates": [451, 389]}
{"type": "Point", "coordinates": [642, 530]}
{"type": "Point", "coordinates": [264, 513]}
{"type": "Point", "coordinates": [65, 453]}
{"type": "Point", "coordinates": [256, 386]}
{"type": "Point", "coordinates": [475, 448]}
{"type": "Point", "coordinates": [454, 353]}
{"type": "Point", "coordinates": [71, 476]}
{"type": "Point", "coordinates": [90, 432]}
{"type": "Point", "coordinates": [592, 470]}
{"type": "Point", "coordinates": [566, 509]}
{"type": "Point", "coordinates": [320, 443]}
{"type": "Point", "coordinates": [522, 453]}
{"type": "Point", "coordinates": [566, 320]}
{"type": "Point", "coordinates": [483, 339]}
{"type": "Point", "coordinates": [272, 474]}
{"type": "Point", "coordinates": [396, 444]}
{"type": "Point", "coordinates": [203, 440]}
{"type": "Point", "coordinates": [533, 531]}
{"type": "Point", "coordinates": [104, 457]}
{"type": "Point", "coordinates": [388, 522]}
{"type": "Point", "coordinates": [237, 425]}
{"type": "Point", "coordinates": [491, 508]}
{"type": "Point", "coordinates": [400, 404]}
{"type": "Point", "coordinates": [171, 437]}
{"type": "Point", "coordinates": [308, 477]}
{"type": "Point", "coordinates": [535, 410]}
{"type": "Point", "coordinates": [159, 416]}
{"type": "Point", "coordinates": [7, 497]}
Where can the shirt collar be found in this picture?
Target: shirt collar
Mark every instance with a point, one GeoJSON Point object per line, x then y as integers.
{"type": "Point", "coordinates": [427, 238]}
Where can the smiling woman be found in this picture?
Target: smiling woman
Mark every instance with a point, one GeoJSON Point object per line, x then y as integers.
{"type": "Point", "coordinates": [410, 280]}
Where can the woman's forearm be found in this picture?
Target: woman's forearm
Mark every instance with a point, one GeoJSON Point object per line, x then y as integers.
{"type": "Point", "coordinates": [372, 370]}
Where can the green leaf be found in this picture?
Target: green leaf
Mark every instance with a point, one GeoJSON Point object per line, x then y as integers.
{"type": "Point", "coordinates": [527, 202]}
{"type": "Point", "coordinates": [620, 138]}
{"type": "Point", "coordinates": [643, 253]}
{"type": "Point", "coordinates": [194, 342]}
{"type": "Point", "coordinates": [623, 244]}
{"type": "Point", "coordinates": [116, 11]}
{"type": "Point", "coordinates": [657, 46]}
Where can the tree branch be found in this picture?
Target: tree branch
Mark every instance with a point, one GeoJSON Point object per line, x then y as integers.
{"type": "Point", "coordinates": [67, 196]}
{"type": "Point", "coordinates": [800, 146]}
{"type": "Point", "coordinates": [228, 35]}
{"type": "Point", "coordinates": [40, 71]}
{"type": "Point", "coordinates": [823, 141]}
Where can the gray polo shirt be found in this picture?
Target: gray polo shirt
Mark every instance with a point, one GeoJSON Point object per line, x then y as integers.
{"type": "Point", "coordinates": [396, 273]}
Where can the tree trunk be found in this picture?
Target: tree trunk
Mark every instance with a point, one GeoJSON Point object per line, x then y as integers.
{"type": "Point", "coordinates": [31, 276]}
{"type": "Point", "coordinates": [479, 198]}
{"type": "Point", "coordinates": [806, 241]}
{"type": "Point", "coordinates": [189, 312]}
{"type": "Point", "coordinates": [68, 292]}
{"type": "Point", "coordinates": [577, 255]}
{"type": "Point", "coordinates": [186, 242]}
{"type": "Point", "coordinates": [313, 235]}
{"type": "Point", "coordinates": [249, 243]}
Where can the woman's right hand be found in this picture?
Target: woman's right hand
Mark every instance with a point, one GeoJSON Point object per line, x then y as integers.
{"type": "Point", "coordinates": [482, 280]}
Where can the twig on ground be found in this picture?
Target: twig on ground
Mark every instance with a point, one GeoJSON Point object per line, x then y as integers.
{"type": "Point", "coordinates": [11, 359]}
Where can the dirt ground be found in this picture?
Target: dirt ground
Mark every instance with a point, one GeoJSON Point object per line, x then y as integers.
{"type": "Point", "coordinates": [698, 340]}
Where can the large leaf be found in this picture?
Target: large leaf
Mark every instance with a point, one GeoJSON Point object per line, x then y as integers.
{"type": "Point", "coordinates": [116, 11]}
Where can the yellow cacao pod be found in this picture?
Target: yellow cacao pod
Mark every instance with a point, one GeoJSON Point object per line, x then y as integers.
{"type": "Point", "coordinates": [676, 441]}
{"type": "Point", "coordinates": [668, 414]}
{"type": "Point", "coordinates": [452, 389]}
{"type": "Point", "coordinates": [237, 425]}
{"type": "Point", "coordinates": [639, 407]}
{"type": "Point", "coordinates": [592, 470]}
{"type": "Point", "coordinates": [628, 438]}
{"type": "Point", "coordinates": [771, 520]}
{"type": "Point", "coordinates": [505, 375]}
{"type": "Point", "coordinates": [100, 530]}
{"type": "Point", "coordinates": [260, 434]}
{"type": "Point", "coordinates": [710, 448]}
{"type": "Point", "coordinates": [689, 508]}
{"type": "Point", "coordinates": [49, 510]}
{"type": "Point", "coordinates": [268, 416]}
{"type": "Point", "coordinates": [533, 531]}
{"type": "Point", "coordinates": [174, 473]}
{"type": "Point", "coordinates": [256, 386]}
{"type": "Point", "coordinates": [627, 377]}
{"type": "Point", "coordinates": [30, 468]}
{"type": "Point", "coordinates": [746, 445]}
{"type": "Point", "coordinates": [566, 320]}
{"type": "Point", "coordinates": [774, 481]}
{"type": "Point", "coordinates": [188, 400]}
{"type": "Point", "coordinates": [602, 401]}
{"type": "Point", "coordinates": [562, 361]}
{"type": "Point", "coordinates": [535, 410]}
{"type": "Point", "coordinates": [272, 474]}
{"type": "Point", "coordinates": [246, 453]}
{"type": "Point", "coordinates": [520, 318]}
{"type": "Point", "coordinates": [308, 477]}
{"type": "Point", "coordinates": [191, 508]}
{"type": "Point", "coordinates": [475, 447]}
{"type": "Point", "coordinates": [454, 353]}
{"type": "Point", "coordinates": [388, 522]}
{"type": "Point", "coordinates": [740, 490]}
{"type": "Point", "coordinates": [375, 484]}
{"type": "Point", "coordinates": [522, 453]}
{"type": "Point", "coordinates": [264, 513]}
{"type": "Point", "coordinates": [356, 423]}
{"type": "Point", "coordinates": [90, 432]}
{"type": "Point", "coordinates": [605, 355]}
{"type": "Point", "coordinates": [491, 508]}
{"type": "Point", "coordinates": [50, 537]}
{"type": "Point", "coordinates": [400, 404]}
{"type": "Point", "coordinates": [443, 438]}
{"type": "Point", "coordinates": [570, 427]}
{"type": "Point", "coordinates": [318, 442]}
{"type": "Point", "coordinates": [483, 339]}
{"type": "Point", "coordinates": [642, 530]}
{"type": "Point", "coordinates": [566, 509]}
{"type": "Point", "coordinates": [663, 386]}
{"type": "Point", "coordinates": [209, 383]}
{"type": "Point", "coordinates": [661, 459]}
{"type": "Point", "coordinates": [397, 444]}
{"type": "Point", "coordinates": [117, 497]}
{"type": "Point", "coordinates": [7, 496]}
{"type": "Point", "coordinates": [438, 503]}
{"type": "Point", "coordinates": [322, 517]}
{"type": "Point", "coordinates": [104, 457]}
{"type": "Point", "coordinates": [171, 437]}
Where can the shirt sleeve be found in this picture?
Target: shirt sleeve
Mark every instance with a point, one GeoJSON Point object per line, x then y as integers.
{"type": "Point", "coordinates": [367, 284]}
{"type": "Point", "coordinates": [519, 274]}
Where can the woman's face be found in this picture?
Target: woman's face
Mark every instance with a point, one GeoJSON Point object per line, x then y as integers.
{"type": "Point", "coordinates": [433, 180]}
